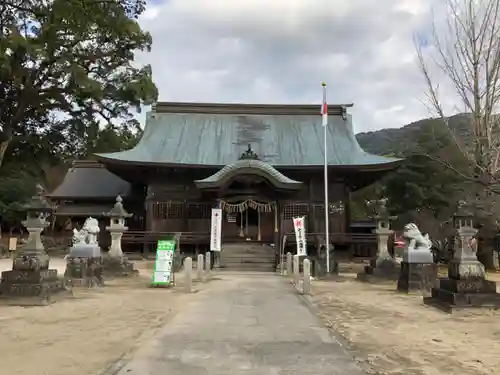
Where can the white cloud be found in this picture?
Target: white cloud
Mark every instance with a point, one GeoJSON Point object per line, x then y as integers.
{"type": "Point", "coordinates": [280, 51]}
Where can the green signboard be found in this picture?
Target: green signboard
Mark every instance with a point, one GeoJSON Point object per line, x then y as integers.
{"type": "Point", "coordinates": [163, 270]}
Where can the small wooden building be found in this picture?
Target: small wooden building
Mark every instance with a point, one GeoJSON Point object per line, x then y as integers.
{"type": "Point", "coordinates": [262, 164]}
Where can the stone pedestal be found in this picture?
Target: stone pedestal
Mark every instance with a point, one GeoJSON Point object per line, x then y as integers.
{"type": "Point", "coordinates": [417, 277]}
{"type": "Point", "coordinates": [31, 281]}
{"type": "Point", "coordinates": [384, 268]}
{"type": "Point", "coordinates": [418, 271]}
{"type": "Point", "coordinates": [118, 266]}
{"type": "Point", "coordinates": [466, 286]}
{"type": "Point", "coordinates": [84, 266]}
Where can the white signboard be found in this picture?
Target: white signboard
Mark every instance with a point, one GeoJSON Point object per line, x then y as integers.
{"type": "Point", "coordinates": [300, 235]}
{"type": "Point", "coordinates": [216, 230]}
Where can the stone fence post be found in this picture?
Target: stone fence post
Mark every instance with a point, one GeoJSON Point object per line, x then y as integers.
{"type": "Point", "coordinates": [208, 262]}
{"type": "Point", "coordinates": [296, 270]}
{"type": "Point", "coordinates": [188, 274]}
{"type": "Point", "coordinates": [289, 264]}
{"type": "Point", "coordinates": [306, 282]}
{"type": "Point", "coordinates": [199, 267]}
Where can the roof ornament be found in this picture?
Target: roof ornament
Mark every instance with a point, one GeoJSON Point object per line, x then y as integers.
{"type": "Point", "coordinates": [249, 154]}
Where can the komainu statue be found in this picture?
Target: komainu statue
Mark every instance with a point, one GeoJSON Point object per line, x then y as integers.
{"type": "Point", "coordinates": [417, 245]}
{"type": "Point", "coordinates": [88, 234]}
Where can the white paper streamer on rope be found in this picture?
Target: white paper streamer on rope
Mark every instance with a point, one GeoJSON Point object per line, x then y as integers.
{"type": "Point", "coordinates": [249, 203]}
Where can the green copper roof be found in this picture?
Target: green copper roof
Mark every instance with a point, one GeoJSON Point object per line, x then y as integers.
{"type": "Point", "coordinates": [278, 179]}
{"type": "Point", "coordinates": [89, 180]}
{"type": "Point", "coordinates": [217, 134]}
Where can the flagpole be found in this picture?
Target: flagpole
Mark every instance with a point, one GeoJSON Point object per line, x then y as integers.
{"type": "Point", "coordinates": [324, 113]}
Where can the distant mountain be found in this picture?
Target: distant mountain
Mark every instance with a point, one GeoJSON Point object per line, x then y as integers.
{"type": "Point", "coordinates": [397, 141]}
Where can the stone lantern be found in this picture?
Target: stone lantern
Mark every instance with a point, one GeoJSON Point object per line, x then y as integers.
{"type": "Point", "coordinates": [116, 227]}
{"type": "Point", "coordinates": [30, 275]}
{"type": "Point", "coordinates": [115, 263]}
{"type": "Point", "coordinates": [384, 266]}
{"type": "Point", "coordinates": [464, 217]}
{"type": "Point", "coordinates": [466, 285]}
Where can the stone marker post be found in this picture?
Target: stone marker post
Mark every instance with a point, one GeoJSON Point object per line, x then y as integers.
{"type": "Point", "coordinates": [418, 270]}
{"type": "Point", "coordinates": [114, 262]}
{"type": "Point", "coordinates": [199, 267]}
{"type": "Point", "coordinates": [289, 264]}
{"type": "Point", "coordinates": [31, 276]}
{"type": "Point", "coordinates": [306, 282]}
{"type": "Point", "coordinates": [296, 270]}
{"type": "Point", "coordinates": [383, 266]}
{"type": "Point", "coordinates": [466, 285]}
{"type": "Point", "coordinates": [188, 274]}
{"type": "Point", "coordinates": [208, 262]}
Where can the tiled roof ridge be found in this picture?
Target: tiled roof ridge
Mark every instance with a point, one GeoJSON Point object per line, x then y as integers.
{"type": "Point", "coordinates": [248, 109]}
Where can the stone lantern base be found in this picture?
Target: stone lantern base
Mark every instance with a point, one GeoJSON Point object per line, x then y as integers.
{"type": "Point", "coordinates": [465, 288]}
{"type": "Point", "coordinates": [31, 282]}
{"type": "Point", "coordinates": [118, 266]}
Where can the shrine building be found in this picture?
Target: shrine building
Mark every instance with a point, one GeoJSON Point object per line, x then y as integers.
{"type": "Point", "coordinates": [262, 164]}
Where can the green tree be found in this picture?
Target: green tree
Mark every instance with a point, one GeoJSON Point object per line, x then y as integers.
{"type": "Point", "coordinates": [72, 59]}
{"type": "Point", "coordinates": [424, 182]}
{"type": "Point", "coordinates": [423, 189]}
{"type": "Point", "coordinates": [15, 189]}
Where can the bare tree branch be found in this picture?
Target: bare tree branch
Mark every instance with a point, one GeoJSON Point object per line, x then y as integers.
{"type": "Point", "coordinates": [466, 53]}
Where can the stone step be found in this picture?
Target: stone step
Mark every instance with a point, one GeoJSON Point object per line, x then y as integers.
{"type": "Point", "coordinates": [248, 259]}
{"type": "Point", "coordinates": [246, 262]}
{"type": "Point", "coordinates": [246, 247]}
{"type": "Point", "coordinates": [239, 252]}
{"type": "Point", "coordinates": [251, 267]}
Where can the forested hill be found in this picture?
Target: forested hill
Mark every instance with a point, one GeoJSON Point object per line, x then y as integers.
{"type": "Point", "coordinates": [400, 141]}
{"type": "Point", "coordinates": [421, 190]}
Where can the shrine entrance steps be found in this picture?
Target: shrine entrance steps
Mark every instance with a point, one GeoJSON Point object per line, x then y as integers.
{"type": "Point", "coordinates": [248, 256]}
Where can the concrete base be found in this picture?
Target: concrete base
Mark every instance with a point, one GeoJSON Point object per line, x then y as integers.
{"type": "Point", "coordinates": [417, 277]}
{"type": "Point", "coordinates": [84, 272]}
{"type": "Point", "coordinates": [30, 287]}
{"type": "Point", "coordinates": [453, 294]}
{"type": "Point", "coordinates": [384, 270]}
{"type": "Point", "coordinates": [118, 267]}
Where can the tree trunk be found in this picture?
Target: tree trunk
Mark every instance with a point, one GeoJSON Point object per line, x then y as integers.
{"type": "Point", "coordinates": [3, 149]}
{"type": "Point", "coordinates": [485, 254]}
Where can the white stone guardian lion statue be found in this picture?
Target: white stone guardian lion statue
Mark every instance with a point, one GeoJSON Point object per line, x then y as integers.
{"type": "Point", "coordinates": [88, 234]}
{"type": "Point", "coordinates": [417, 246]}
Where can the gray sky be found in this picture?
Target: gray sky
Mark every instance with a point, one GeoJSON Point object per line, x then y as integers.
{"type": "Point", "coordinates": [279, 51]}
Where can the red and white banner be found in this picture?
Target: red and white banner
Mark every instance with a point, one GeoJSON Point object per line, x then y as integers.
{"type": "Point", "coordinates": [216, 230]}
{"type": "Point", "coordinates": [300, 235]}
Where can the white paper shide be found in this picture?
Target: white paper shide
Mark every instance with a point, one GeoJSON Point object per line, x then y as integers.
{"type": "Point", "coordinates": [300, 235]}
{"type": "Point", "coordinates": [216, 230]}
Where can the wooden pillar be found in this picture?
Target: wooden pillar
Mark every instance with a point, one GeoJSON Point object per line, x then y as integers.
{"type": "Point", "coordinates": [185, 220]}
{"type": "Point", "coordinates": [147, 227]}
{"type": "Point", "coordinates": [259, 237]}
{"type": "Point", "coordinates": [347, 208]}
{"type": "Point", "coordinates": [241, 225]}
{"type": "Point", "coordinates": [347, 217]}
{"type": "Point", "coordinates": [311, 227]}
{"type": "Point", "coordinates": [278, 226]}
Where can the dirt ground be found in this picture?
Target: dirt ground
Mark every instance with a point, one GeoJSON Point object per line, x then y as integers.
{"type": "Point", "coordinates": [84, 335]}
{"type": "Point", "coordinates": [397, 334]}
